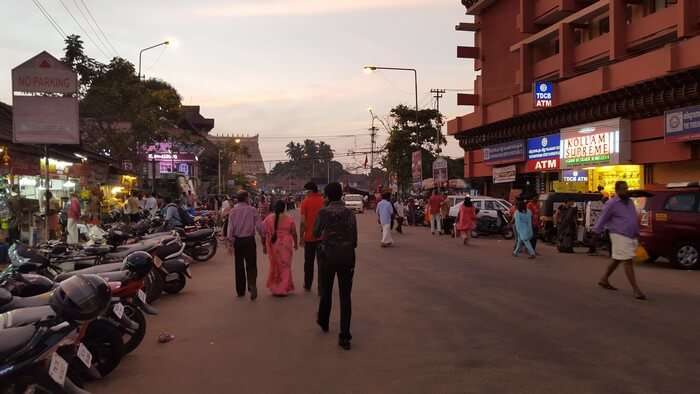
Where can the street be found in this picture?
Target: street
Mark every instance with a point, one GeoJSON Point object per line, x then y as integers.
{"type": "Point", "coordinates": [429, 316]}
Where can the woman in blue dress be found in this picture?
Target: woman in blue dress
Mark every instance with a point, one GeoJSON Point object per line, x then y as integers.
{"type": "Point", "coordinates": [523, 229]}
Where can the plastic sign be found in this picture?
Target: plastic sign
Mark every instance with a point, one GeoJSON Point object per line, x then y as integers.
{"type": "Point", "coordinates": [683, 124]}
{"type": "Point", "coordinates": [601, 143]}
{"type": "Point", "coordinates": [504, 174]}
{"type": "Point", "coordinates": [574, 176]}
{"type": "Point", "coordinates": [544, 94]}
{"type": "Point", "coordinates": [543, 153]}
{"type": "Point", "coordinates": [505, 153]}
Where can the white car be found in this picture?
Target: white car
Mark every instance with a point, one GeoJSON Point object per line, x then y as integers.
{"type": "Point", "coordinates": [487, 206]}
{"type": "Point", "coordinates": [355, 202]}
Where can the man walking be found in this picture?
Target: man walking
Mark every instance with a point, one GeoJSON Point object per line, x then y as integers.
{"type": "Point", "coordinates": [242, 224]}
{"type": "Point", "coordinates": [336, 227]}
{"type": "Point", "coordinates": [385, 211]}
{"type": "Point", "coordinates": [619, 216]}
{"type": "Point", "coordinates": [312, 204]}
{"type": "Point", "coordinates": [434, 205]}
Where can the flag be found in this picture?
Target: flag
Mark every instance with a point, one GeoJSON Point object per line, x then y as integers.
{"type": "Point", "coordinates": [365, 161]}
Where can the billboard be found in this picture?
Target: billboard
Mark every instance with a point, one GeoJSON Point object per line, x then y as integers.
{"type": "Point", "coordinates": [507, 152]}
{"type": "Point", "coordinates": [683, 124]}
{"type": "Point", "coordinates": [543, 153]}
{"type": "Point", "coordinates": [440, 171]}
{"type": "Point", "coordinates": [601, 143]}
{"type": "Point", "coordinates": [417, 166]}
{"type": "Point", "coordinates": [45, 120]}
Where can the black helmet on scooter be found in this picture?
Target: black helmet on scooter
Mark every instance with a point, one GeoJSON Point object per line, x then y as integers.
{"type": "Point", "coordinates": [81, 297]}
{"type": "Point", "coordinates": [139, 263]}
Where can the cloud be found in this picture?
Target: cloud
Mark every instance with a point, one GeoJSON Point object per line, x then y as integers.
{"type": "Point", "coordinates": [305, 7]}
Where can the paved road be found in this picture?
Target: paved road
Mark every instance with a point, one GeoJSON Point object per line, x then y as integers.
{"type": "Point", "coordinates": [430, 316]}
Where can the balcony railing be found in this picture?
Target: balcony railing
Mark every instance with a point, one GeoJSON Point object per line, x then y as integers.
{"type": "Point", "coordinates": [546, 67]}
{"type": "Point", "coordinates": [651, 26]}
{"type": "Point", "coordinates": [592, 49]}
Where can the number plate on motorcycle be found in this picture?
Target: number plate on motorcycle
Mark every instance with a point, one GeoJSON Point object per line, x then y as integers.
{"type": "Point", "coordinates": [142, 296]}
{"type": "Point", "coordinates": [84, 354]}
{"type": "Point", "coordinates": [119, 310]}
{"type": "Point", "coordinates": [58, 369]}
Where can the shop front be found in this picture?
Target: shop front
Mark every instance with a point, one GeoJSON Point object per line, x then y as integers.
{"type": "Point", "coordinates": [603, 150]}
{"type": "Point", "coordinates": [543, 163]}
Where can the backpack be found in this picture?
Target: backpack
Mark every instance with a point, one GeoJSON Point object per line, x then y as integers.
{"type": "Point", "coordinates": [185, 217]}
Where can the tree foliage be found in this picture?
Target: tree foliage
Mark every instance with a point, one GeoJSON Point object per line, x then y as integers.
{"type": "Point", "coordinates": [309, 159]}
{"type": "Point", "coordinates": [88, 69]}
{"type": "Point", "coordinates": [405, 137]}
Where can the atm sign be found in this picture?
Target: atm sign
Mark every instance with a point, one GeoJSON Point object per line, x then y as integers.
{"type": "Point", "coordinates": [544, 94]}
{"type": "Point", "coordinates": [550, 164]}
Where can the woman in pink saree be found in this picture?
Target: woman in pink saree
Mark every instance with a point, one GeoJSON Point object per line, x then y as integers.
{"type": "Point", "coordinates": [466, 220]}
{"type": "Point", "coordinates": [280, 243]}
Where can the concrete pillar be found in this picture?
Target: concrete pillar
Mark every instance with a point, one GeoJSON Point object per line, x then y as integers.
{"type": "Point", "coordinates": [687, 18]}
{"type": "Point", "coordinates": [566, 50]}
{"type": "Point", "coordinates": [526, 18]}
{"type": "Point", "coordinates": [525, 76]}
{"type": "Point", "coordinates": [618, 25]}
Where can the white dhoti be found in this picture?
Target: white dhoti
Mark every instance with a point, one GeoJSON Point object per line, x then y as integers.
{"type": "Point", "coordinates": [386, 234]}
{"type": "Point", "coordinates": [623, 248]}
{"type": "Point", "coordinates": [72, 229]}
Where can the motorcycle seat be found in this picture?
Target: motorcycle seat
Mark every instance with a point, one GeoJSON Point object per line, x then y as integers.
{"type": "Point", "coordinates": [97, 269]}
{"type": "Point", "coordinates": [26, 302]}
{"type": "Point", "coordinates": [12, 339]}
{"type": "Point", "coordinates": [25, 316]}
{"type": "Point", "coordinates": [199, 235]}
{"type": "Point", "coordinates": [125, 250]}
{"type": "Point", "coordinates": [109, 276]}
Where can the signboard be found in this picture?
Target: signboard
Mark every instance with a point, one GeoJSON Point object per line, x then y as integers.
{"type": "Point", "coordinates": [176, 157]}
{"type": "Point", "coordinates": [508, 152]}
{"type": "Point", "coordinates": [440, 171]}
{"type": "Point", "coordinates": [683, 124]}
{"type": "Point", "coordinates": [574, 176]}
{"type": "Point", "coordinates": [44, 74]}
{"type": "Point", "coordinates": [601, 143]}
{"type": "Point", "coordinates": [45, 120]}
{"type": "Point", "coordinates": [569, 187]}
{"type": "Point", "coordinates": [544, 94]}
{"type": "Point", "coordinates": [417, 166]}
{"type": "Point", "coordinates": [504, 174]}
{"type": "Point", "coordinates": [543, 153]}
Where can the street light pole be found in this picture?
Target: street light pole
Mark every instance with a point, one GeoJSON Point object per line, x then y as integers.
{"type": "Point", "coordinates": [145, 49]}
{"type": "Point", "coordinates": [415, 79]}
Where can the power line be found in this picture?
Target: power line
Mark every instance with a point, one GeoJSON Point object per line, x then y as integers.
{"type": "Point", "coordinates": [89, 37]}
{"type": "Point", "coordinates": [52, 21]}
{"type": "Point", "coordinates": [85, 18]}
{"type": "Point", "coordinates": [99, 28]}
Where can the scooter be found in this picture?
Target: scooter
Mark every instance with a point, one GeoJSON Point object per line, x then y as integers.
{"type": "Point", "coordinates": [487, 225]}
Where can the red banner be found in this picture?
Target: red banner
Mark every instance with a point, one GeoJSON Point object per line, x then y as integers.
{"type": "Point", "coordinates": [548, 164]}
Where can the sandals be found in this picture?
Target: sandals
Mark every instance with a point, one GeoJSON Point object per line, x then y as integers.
{"type": "Point", "coordinates": [607, 286]}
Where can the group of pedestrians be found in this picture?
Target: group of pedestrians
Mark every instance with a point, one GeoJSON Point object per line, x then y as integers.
{"type": "Point", "coordinates": [328, 232]}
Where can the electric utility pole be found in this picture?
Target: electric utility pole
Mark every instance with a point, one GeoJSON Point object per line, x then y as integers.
{"type": "Point", "coordinates": [438, 95]}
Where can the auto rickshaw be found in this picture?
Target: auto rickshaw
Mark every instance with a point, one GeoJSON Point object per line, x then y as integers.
{"type": "Point", "coordinates": [549, 202]}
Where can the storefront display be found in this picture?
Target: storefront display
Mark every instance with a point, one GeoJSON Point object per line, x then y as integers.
{"type": "Point", "coordinates": [608, 175]}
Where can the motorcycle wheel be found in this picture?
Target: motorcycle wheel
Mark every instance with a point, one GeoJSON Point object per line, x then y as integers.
{"type": "Point", "coordinates": [133, 338]}
{"type": "Point", "coordinates": [210, 251]}
{"type": "Point", "coordinates": [153, 286]}
{"type": "Point", "coordinates": [175, 286]}
{"type": "Point", "coordinates": [105, 343]}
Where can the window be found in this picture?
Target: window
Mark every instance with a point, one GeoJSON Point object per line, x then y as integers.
{"type": "Point", "coordinates": [478, 204]}
{"type": "Point", "coordinates": [681, 203]}
{"type": "Point", "coordinates": [604, 26]}
{"type": "Point", "coordinates": [491, 205]}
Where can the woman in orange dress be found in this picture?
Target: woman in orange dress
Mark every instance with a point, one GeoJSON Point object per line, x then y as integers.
{"type": "Point", "coordinates": [280, 243]}
{"type": "Point", "coordinates": [466, 220]}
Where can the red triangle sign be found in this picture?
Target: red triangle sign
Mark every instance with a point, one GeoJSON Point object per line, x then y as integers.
{"type": "Point", "coordinates": [45, 64]}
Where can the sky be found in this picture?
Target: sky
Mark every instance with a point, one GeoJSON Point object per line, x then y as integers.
{"type": "Point", "coordinates": [283, 69]}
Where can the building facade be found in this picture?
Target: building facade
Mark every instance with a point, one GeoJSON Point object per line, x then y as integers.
{"type": "Point", "coordinates": [248, 160]}
{"type": "Point", "coordinates": [573, 94]}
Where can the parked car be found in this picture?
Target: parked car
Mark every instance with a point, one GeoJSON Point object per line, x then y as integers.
{"type": "Point", "coordinates": [670, 224]}
{"type": "Point", "coordinates": [487, 206]}
{"type": "Point", "coordinates": [355, 202]}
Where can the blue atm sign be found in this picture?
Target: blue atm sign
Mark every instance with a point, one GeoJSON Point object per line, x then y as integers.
{"type": "Point", "coordinates": [544, 94]}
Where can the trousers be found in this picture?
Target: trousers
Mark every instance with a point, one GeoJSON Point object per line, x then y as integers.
{"type": "Point", "coordinates": [72, 229]}
{"type": "Point", "coordinates": [436, 221]}
{"type": "Point", "coordinates": [310, 256]}
{"type": "Point", "coordinates": [246, 265]}
{"type": "Point", "coordinates": [345, 273]}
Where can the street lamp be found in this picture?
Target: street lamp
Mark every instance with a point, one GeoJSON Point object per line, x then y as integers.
{"type": "Point", "coordinates": [145, 49]}
{"type": "Point", "coordinates": [370, 69]}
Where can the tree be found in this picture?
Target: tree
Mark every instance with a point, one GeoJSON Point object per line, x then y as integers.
{"type": "Point", "coordinates": [309, 159]}
{"type": "Point", "coordinates": [405, 137]}
{"type": "Point", "coordinates": [87, 68]}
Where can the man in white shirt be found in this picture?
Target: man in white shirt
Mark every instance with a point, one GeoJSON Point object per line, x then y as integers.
{"type": "Point", "coordinates": [151, 204]}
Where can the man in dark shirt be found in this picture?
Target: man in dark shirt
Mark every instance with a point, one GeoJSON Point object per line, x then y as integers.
{"type": "Point", "coordinates": [336, 227]}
